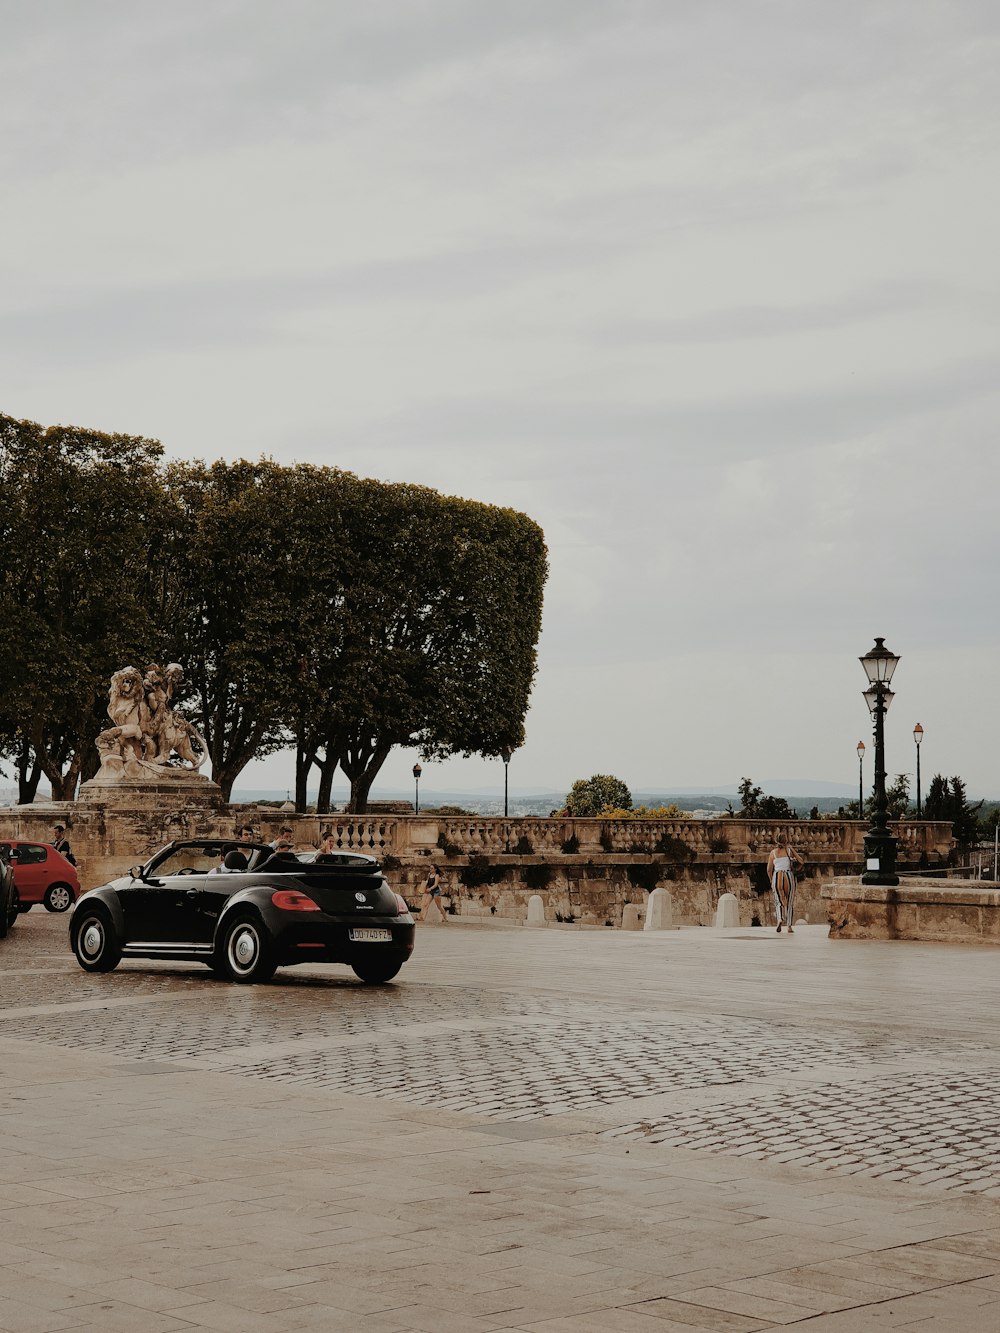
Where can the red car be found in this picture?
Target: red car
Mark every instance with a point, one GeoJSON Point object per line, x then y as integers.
{"type": "Point", "coordinates": [41, 875]}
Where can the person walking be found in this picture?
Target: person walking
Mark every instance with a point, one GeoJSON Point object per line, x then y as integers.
{"type": "Point", "coordinates": [432, 894]}
{"type": "Point", "coordinates": [61, 843]}
{"type": "Point", "coordinates": [781, 867]}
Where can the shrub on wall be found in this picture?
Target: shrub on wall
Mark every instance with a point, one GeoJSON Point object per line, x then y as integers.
{"type": "Point", "coordinates": [674, 849]}
{"type": "Point", "coordinates": [572, 845]}
{"type": "Point", "coordinates": [480, 871]}
{"type": "Point", "coordinates": [537, 877]}
{"type": "Point", "coordinates": [645, 875]}
{"type": "Point", "coordinates": [524, 847]}
{"type": "Point", "coordinates": [449, 848]}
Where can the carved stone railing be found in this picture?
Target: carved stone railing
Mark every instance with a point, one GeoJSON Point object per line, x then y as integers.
{"type": "Point", "coordinates": [374, 836]}
{"type": "Point", "coordinates": [822, 841]}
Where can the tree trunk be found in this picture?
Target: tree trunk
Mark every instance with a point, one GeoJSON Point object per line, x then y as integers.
{"type": "Point", "coordinates": [29, 774]}
{"type": "Point", "coordinates": [327, 768]}
{"type": "Point", "coordinates": [362, 774]}
{"type": "Point", "coordinates": [304, 761]}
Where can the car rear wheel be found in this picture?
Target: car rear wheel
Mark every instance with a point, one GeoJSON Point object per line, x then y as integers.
{"type": "Point", "coordinates": [376, 970]}
{"type": "Point", "coordinates": [247, 951]}
{"type": "Point", "coordinates": [95, 943]}
{"type": "Point", "coordinates": [58, 898]}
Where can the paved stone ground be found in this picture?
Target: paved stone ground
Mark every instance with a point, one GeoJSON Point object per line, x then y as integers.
{"type": "Point", "coordinates": [549, 1130]}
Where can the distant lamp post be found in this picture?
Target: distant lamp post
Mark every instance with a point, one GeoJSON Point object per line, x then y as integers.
{"type": "Point", "coordinates": [505, 755]}
{"type": "Point", "coordinates": [861, 779]}
{"type": "Point", "coordinates": [417, 770]}
{"type": "Point", "coordinates": [918, 736]}
{"type": "Point", "coordinates": [880, 846]}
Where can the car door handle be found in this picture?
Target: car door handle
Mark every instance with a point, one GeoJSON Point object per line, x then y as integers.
{"type": "Point", "coordinates": [191, 894]}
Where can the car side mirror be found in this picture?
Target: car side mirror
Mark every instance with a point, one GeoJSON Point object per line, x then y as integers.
{"type": "Point", "coordinates": [136, 872]}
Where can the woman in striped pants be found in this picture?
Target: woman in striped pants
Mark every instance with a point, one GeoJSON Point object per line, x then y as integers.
{"type": "Point", "coordinates": [781, 867]}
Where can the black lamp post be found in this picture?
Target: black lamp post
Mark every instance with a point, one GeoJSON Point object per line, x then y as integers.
{"type": "Point", "coordinates": [505, 755]}
{"type": "Point", "coordinates": [880, 846]}
{"type": "Point", "coordinates": [918, 736]}
{"type": "Point", "coordinates": [417, 770]}
{"type": "Point", "coordinates": [861, 779]}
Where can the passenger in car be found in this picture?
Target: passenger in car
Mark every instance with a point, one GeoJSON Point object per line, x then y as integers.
{"type": "Point", "coordinates": [232, 863]}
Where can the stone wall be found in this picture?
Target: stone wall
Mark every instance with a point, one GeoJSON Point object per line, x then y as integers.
{"type": "Point", "coordinates": [949, 910]}
{"type": "Point", "coordinates": [492, 866]}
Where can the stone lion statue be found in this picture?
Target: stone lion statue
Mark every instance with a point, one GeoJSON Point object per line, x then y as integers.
{"type": "Point", "coordinates": [148, 735]}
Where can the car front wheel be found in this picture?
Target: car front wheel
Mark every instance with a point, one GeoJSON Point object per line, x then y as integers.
{"type": "Point", "coordinates": [58, 898]}
{"type": "Point", "coordinates": [247, 951]}
{"type": "Point", "coordinates": [95, 943]}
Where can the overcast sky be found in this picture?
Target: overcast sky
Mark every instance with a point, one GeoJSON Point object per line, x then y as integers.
{"type": "Point", "coordinates": [707, 287]}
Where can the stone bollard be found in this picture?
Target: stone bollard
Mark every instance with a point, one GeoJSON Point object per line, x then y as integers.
{"type": "Point", "coordinates": [659, 911]}
{"type": "Point", "coordinates": [536, 910]}
{"type": "Point", "coordinates": [727, 914]}
{"type": "Point", "coordinates": [630, 917]}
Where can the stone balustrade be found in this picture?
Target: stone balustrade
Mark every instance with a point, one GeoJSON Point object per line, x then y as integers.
{"type": "Point", "coordinates": [825, 841]}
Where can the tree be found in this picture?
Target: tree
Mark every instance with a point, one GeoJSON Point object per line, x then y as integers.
{"type": "Point", "coordinates": [222, 606]}
{"type": "Point", "coordinates": [79, 527]}
{"type": "Point", "coordinates": [946, 800]}
{"type": "Point", "coordinates": [436, 626]}
{"type": "Point", "coordinates": [589, 797]}
{"type": "Point", "coordinates": [755, 805]}
{"type": "Point", "coordinates": [897, 797]}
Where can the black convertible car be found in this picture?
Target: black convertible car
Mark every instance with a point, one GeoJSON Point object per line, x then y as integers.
{"type": "Point", "coordinates": [244, 910]}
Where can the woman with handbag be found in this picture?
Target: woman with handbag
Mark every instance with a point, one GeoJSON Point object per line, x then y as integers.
{"type": "Point", "coordinates": [781, 867]}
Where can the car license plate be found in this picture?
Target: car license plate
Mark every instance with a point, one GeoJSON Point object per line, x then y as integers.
{"type": "Point", "coordinates": [370, 934]}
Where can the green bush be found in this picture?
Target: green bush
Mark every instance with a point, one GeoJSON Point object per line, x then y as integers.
{"type": "Point", "coordinates": [645, 875]}
{"type": "Point", "coordinates": [524, 847]}
{"type": "Point", "coordinates": [572, 845]}
{"type": "Point", "coordinates": [537, 877]}
{"type": "Point", "coordinates": [674, 849]}
{"type": "Point", "coordinates": [480, 871]}
{"type": "Point", "coordinates": [449, 848]}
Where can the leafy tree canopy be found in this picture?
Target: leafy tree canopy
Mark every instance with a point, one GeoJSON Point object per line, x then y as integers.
{"type": "Point", "coordinates": [946, 799]}
{"type": "Point", "coordinates": [755, 805]}
{"type": "Point", "coordinates": [589, 797]}
{"type": "Point", "coordinates": [81, 513]}
{"type": "Point", "coordinates": [308, 606]}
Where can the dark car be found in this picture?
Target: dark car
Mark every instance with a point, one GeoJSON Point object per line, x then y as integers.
{"type": "Point", "coordinates": [245, 922]}
{"type": "Point", "coordinates": [9, 901]}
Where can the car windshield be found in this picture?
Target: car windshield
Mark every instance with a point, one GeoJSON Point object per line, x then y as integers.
{"type": "Point", "coordinates": [189, 860]}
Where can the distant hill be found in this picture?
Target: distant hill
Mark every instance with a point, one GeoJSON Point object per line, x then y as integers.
{"type": "Point", "coordinates": [801, 796]}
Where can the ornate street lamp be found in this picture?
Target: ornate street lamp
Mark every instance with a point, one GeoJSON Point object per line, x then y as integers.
{"type": "Point", "coordinates": [880, 846]}
{"type": "Point", "coordinates": [918, 736]}
{"type": "Point", "coordinates": [861, 779]}
{"type": "Point", "coordinates": [417, 770]}
{"type": "Point", "coordinates": [505, 755]}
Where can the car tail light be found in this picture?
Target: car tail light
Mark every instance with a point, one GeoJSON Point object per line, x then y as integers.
{"type": "Point", "coordinates": [290, 900]}
{"type": "Point", "coordinates": [402, 904]}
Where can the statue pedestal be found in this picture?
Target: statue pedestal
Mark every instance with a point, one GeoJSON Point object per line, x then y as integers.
{"type": "Point", "coordinates": [163, 787]}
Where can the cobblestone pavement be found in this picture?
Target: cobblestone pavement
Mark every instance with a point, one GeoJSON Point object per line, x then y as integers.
{"type": "Point", "coordinates": [546, 1130]}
